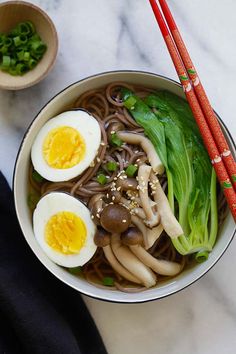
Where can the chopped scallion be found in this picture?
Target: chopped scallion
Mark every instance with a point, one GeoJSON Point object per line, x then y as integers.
{"type": "Point", "coordinates": [201, 256]}
{"type": "Point", "coordinates": [111, 166]}
{"type": "Point", "coordinates": [32, 200]}
{"type": "Point", "coordinates": [131, 170]}
{"type": "Point", "coordinates": [75, 270]}
{"type": "Point", "coordinates": [37, 177]}
{"type": "Point", "coordinates": [23, 46]}
{"type": "Point", "coordinates": [108, 281]}
{"type": "Point", "coordinates": [101, 178]}
{"type": "Point", "coordinates": [114, 140]}
{"type": "Point", "coordinates": [6, 61]}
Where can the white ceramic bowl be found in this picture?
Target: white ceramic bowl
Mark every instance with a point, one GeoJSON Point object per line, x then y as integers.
{"type": "Point", "coordinates": [56, 105]}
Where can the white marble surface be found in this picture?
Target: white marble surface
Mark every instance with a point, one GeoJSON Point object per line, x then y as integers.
{"type": "Point", "coordinates": [101, 35]}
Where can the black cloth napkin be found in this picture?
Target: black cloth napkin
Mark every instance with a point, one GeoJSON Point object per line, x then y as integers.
{"type": "Point", "coordinates": [39, 314]}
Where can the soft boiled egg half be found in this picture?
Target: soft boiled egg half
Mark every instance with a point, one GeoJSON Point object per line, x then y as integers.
{"type": "Point", "coordinates": [66, 145]}
{"type": "Point", "coordinates": [64, 229]}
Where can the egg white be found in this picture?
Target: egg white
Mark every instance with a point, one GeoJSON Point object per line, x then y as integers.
{"type": "Point", "coordinates": [52, 204]}
{"type": "Point", "coordinates": [88, 128]}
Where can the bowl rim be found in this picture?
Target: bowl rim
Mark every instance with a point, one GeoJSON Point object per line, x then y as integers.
{"type": "Point", "coordinates": [205, 271]}
{"type": "Point", "coordinates": [51, 63]}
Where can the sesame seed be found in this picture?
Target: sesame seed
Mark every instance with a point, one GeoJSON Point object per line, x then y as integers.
{"type": "Point", "coordinates": [92, 164]}
{"type": "Point", "coordinates": [124, 220]}
{"type": "Point", "coordinates": [97, 215]}
{"type": "Point", "coordinates": [113, 197]}
{"type": "Point", "coordinates": [92, 216]}
{"type": "Point", "coordinates": [98, 159]}
{"type": "Point", "coordinates": [118, 189]}
{"type": "Point", "coordinates": [102, 143]}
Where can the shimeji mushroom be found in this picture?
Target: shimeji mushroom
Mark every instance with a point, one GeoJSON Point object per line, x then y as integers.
{"type": "Point", "coordinates": [96, 205]}
{"type": "Point", "coordinates": [132, 237]}
{"type": "Point", "coordinates": [116, 219]}
{"type": "Point", "coordinates": [147, 146]}
{"type": "Point", "coordinates": [126, 184]}
{"type": "Point", "coordinates": [102, 239]}
{"type": "Point", "coordinates": [161, 267]}
{"type": "Point", "coordinates": [149, 235]}
{"type": "Point", "coordinates": [168, 220]}
{"type": "Point", "coordinates": [152, 219]}
{"type": "Point", "coordinates": [131, 262]}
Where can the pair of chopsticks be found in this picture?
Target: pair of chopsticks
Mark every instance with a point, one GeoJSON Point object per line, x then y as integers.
{"type": "Point", "coordinates": [212, 135]}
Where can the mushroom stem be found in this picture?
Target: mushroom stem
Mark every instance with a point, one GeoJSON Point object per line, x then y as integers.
{"type": "Point", "coordinates": [118, 267]}
{"type": "Point", "coordinates": [168, 220]}
{"type": "Point", "coordinates": [153, 234]}
{"type": "Point", "coordinates": [139, 212]}
{"type": "Point", "coordinates": [132, 263]}
{"type": "Point", "coordinates": [140, 225]}
{"type": "Point", "coordinates": [161, 267]}
{"type": "Point", "coordinates": [143, 177]}
{"type": "Point", "coordinates": [147, 146]}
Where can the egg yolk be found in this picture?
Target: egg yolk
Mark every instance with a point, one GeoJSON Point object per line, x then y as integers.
{"type": "Point", "coordinates": [63, 147]}
{"type": "Point", "coordinates": [65, 232]}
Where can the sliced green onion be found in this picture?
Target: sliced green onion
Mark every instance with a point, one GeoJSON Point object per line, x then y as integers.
{"type": "Point", "coordinates": [21, 49]}
{"type": "Point", "coordinates": [26, 56]}
{"type": "Point", "coordinates": [12, 71]}
{"type": "Point", "coordinates": [108, 281]}
{"type": "Point", "coordinates": [21, 68]}
{"type": "Point", "coordinates": [130, 102]}
{"type": "Point", "coordinates": [17, 41]}
{"type": "Point", "coordinates": [37, 177]}
{"type": "Point", "coordinates": [131, 170]}
{"type": "Point", "coordinates": [32, 200]}
{"type": "Point", "coordinates": [30, 26]}
{"type": "Point", "coordinates": [75, 270]}
{"type": "Point", "coordinates": [2, 39]}
{"type": "Point", "coordinates": [201, 256]}
{"type": "Point", "coordinates": [4, 49]}
{"type": "Point", "coordinates": [13, 62]}
{"type": "Point", "coordinates": [24, 29]}
{"type": "Point", "coordinates": [6, 61]}
{"type": "Point", "coordinates": [32, 63]}
{"type": "Point", "coordinates": [114, 140]}
{"type": "Point", "coordinates": [8, 42]}
{"type": "Point", "coordinates": [20, 55]}
{"type": "Point", "coordinates": [38, 47]}
{"type": "Point", "coordinates": [101, 178]}
{"type": "Point", "coordinates": [111, 166]}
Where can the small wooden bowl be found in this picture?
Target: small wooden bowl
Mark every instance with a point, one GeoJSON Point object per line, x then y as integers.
{"type": "Point", "coordinates": [13, 12]}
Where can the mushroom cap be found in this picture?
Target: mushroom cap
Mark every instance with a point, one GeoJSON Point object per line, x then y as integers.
{"type": "Point", "coordinates": [96, 204]}
{"type": "Point", "coordinates": [114, 196]}
{"type": "Point", "coordinates": [127, 183]}
{"type": "Point", "coordinates": [132, 236]}
{"type": "Point", "coordinates": [115, 218]}
{"type": "Point", "coordinates": [102, 238]}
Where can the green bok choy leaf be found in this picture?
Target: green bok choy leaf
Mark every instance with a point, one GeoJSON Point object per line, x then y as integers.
{"type": "Point", "coordinates": [168, 122]}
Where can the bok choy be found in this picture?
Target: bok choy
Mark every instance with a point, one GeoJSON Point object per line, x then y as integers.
{"type": "Point", "coordinates": [169, 124]}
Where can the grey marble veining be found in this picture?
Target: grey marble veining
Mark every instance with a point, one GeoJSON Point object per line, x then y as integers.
{"type": "Point", "coordinates": [102, 35]}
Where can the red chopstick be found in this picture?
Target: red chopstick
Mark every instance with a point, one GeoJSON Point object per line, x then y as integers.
{"type": "Point", "coordinates": [205, 131]}
{"type": "Point", "coordinates": [210, 116]}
